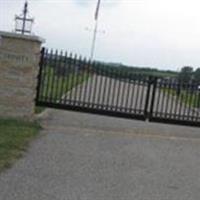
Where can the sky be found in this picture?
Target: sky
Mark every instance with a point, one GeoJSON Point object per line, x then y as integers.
{"type": "Point", "coordinates": [145, 33]}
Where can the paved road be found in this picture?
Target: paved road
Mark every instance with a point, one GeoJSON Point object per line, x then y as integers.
{"type": "Point", "coordinates": [105, 92]}
{"type": "Point", "coordinates": [89, 157]}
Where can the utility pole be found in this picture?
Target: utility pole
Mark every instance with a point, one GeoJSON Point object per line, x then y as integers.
{"type": "Point", "coordinates": [95, 30]}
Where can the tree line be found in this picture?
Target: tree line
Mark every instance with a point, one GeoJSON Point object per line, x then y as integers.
{"type": "Point", "coordinates": [189, 75]}
{"type": "Point", "coordinates": [66, 64]}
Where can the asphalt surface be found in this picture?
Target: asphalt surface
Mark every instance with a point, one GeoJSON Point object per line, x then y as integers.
{"type": "Point", "coordinates": [88, 157]}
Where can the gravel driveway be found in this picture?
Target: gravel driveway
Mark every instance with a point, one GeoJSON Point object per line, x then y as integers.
{"type": "Point", "coordinates": [89, 157]}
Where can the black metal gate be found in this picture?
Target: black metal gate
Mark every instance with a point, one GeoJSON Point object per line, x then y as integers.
{"type": "Point", "coordinates": [175, 102]}
{"type": "Point", "coordinates": [69, 82]}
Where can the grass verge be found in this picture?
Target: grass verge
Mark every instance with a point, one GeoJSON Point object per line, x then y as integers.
{"type": "Point", "coordinates": [15, 136]}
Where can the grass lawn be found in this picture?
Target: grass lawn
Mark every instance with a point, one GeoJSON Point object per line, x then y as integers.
{"type": "Point", "coordinates": [15, 136]}
{"type": "Point", "coordinates": [190, 99]}
{"type": "Point", "coordinates": [55, 86]}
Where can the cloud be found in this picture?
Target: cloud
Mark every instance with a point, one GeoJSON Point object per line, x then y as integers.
{"type": "Point", "coordinates": [153, 33]}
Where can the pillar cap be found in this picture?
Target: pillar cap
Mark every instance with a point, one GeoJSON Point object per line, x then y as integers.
{"type": "Point", "coordinates": [33, 38]}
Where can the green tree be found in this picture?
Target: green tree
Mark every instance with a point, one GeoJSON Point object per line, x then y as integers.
{"type": "Point", "coordinates": [185, 75]}
{"type": "Point", "coordinates": [197, 75]}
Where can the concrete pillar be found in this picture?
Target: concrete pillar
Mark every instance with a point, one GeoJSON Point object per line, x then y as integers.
{"type": "Point", "coordinates": [19, 59]}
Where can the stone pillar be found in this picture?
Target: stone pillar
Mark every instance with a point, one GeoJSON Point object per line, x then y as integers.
{"type": "Point", "coordinates": [19, 59]}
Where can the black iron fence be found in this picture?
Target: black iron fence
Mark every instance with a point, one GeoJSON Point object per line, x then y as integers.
{"type": "Point", "coordinates": [175, 102]}
{"type": "Point", "coordinates": [70, 82]}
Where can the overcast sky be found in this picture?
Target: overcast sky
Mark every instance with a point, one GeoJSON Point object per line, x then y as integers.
{"type": "Point", "coordinates": [157, 33]}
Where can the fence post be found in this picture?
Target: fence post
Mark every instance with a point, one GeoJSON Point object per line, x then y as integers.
{"type": "Point", "coordinates": [40, 74]}
{"type": "Point", "coordinates": [148, 96]}
{"type": "Point", "coordinates": [154, 81]}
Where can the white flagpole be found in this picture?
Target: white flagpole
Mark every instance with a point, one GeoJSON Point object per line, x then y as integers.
{"type": "Point", "coordinates": [95, 30]}
{"type": "Point", "coordinates": [94, 40]}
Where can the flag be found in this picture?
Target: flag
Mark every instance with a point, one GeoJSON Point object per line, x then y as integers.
{"type": "Point", "coordinates": [97, 10]}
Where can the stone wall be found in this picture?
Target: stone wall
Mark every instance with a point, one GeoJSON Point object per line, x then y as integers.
{"type": "Point", "coordinates": [19, 59]}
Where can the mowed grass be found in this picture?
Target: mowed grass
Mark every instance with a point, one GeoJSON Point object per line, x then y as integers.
{"type": "Point", "coordinates": [191, 99]}
{"type": "Point", "coordinates": [55, 86]}
{"type": "Point", "coordinates": [15, 136]}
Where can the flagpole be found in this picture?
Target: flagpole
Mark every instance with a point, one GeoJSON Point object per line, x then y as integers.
{"type": "Point", "coordinates": [94, 40]}
{"type": "Point", "coordinates": [95, 30]}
